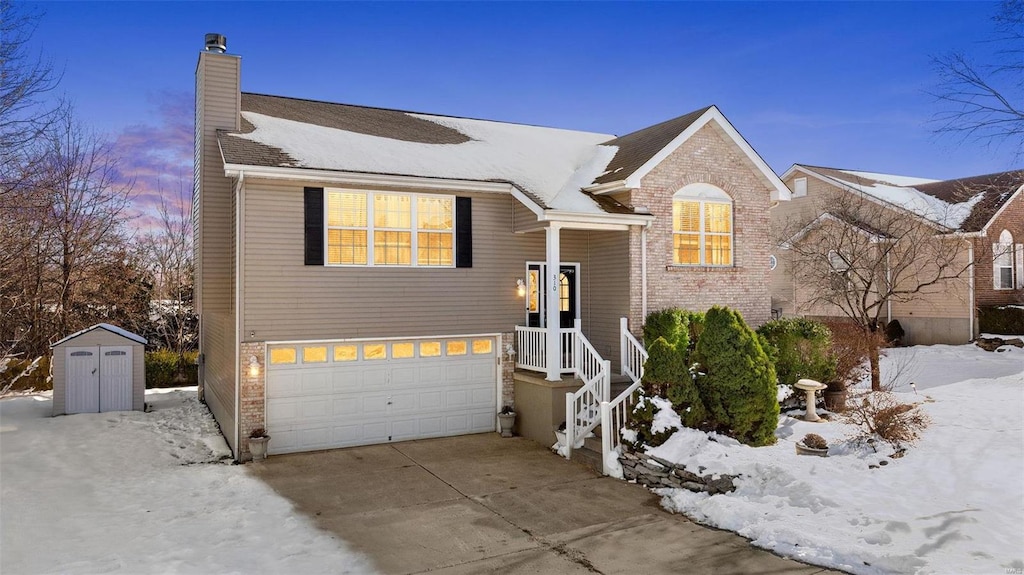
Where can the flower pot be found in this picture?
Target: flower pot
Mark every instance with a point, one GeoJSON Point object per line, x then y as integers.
{"type": "Point", "coordinates": [802, 449]}
{"type": "Point", "coordinates": [506, 421]}
{"type": "Point", "coordinates": [258, 447]}
{"type": "Point", "coordinates": [560, 437]}
{"type": "Point", "coordinates": [835, 401]}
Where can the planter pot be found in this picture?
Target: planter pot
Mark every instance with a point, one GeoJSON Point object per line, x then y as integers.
{"type": "Point", "coordinates": [835, 401]}
{"type": "Point", "coordinates": [802, 449]}
{"type": "Point", "coordinates": [560, 438]}
{"type": "Point", "coordinates": [258, 447]}
{"type": "Point", "coordinates": [506, 421]}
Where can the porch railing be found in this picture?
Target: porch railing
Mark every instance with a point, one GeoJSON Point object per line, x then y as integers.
{"type": "Point", "coordinates": [583, 407]}
{"type": "Point", "coordinates": [615, 413]}
{"type": "Point", "coordinates": [531, 348]}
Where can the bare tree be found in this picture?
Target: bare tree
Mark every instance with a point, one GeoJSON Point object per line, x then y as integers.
{"type": "Point", "coordinates": [985, 102]}
{"type": "Point", "coordinates": [860, 255]}
{"type": "Point", "coordinates": [85, 220]}
{"type": "Point", "coordinates": [168, 253]}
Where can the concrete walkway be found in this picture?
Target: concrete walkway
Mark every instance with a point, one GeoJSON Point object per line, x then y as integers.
{"type": "Point", "coordinates": [483, 504]}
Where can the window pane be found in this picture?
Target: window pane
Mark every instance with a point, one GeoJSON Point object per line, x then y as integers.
{"type": "Point", "coordinates": [563, 292]}
{"type": "Point", "coordinates": [1005, 278]}
{"type": "Point", "coordinates": [314, 354]}
{"type": "Point", "coordinates": [433, 213]}
{"type": "Point", "coordinates": [392, 211]}
{"type": "Point", "coordinates": [345, 353]}
{"type": "Point", "coordinates": [482, 346]}
{"type": "Point", "coordinates": [346, 247]}
{"type": "Point", "coordinates": [434, 249]}
{"type": "Point", "coordinates": [392, 248]}
{"type": "Point", "coordinates": [687, 249]}
{"type": "Point", "coordinates": [346, 209]}
{"type": "Point", "coordinates": [685, 216]}
{"type": "Point", "coordinates": [534, 296]}
{"type": "Point", "coordinates": [375, 351]}
{"type": "Point", "coordinates": [430, 349]}
{"type": "Point", "coordinates": [718, 250]}
{"type": "Point", "coordinates": [282, 355]}
{"type": "Point", "coordinates": [402, 350]}
{"type": "Point", "coordinates": [456, 347]}
{"type": "Point", "coordinates": [717, 218]}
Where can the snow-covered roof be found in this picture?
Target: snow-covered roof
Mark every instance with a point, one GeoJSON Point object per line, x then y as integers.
{"type": "Point", "coordinates": [550, 165]}
{"type": "Point", "coordinates": [964, 204]}
{"type": "Point", "coordinates": [111, 328]}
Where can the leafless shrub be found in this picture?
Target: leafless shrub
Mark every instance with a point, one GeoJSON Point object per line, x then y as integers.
{"type": "Point", "coordinates": [881, 414]}
{"type": "Point", "coordinates": [814, 441]}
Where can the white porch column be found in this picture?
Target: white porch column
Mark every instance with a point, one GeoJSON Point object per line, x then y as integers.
{"type": "Point", "coordinates": [553, 353]}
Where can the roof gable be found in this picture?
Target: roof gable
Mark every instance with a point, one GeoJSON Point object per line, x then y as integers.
{"type": "Point", "coordinates": [104, 326]}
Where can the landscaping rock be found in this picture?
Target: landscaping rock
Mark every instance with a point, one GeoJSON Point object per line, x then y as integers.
{"type": "Point", "coordinates": [656, 472]}
{"type": "Point", "coordinates": [994, 343]}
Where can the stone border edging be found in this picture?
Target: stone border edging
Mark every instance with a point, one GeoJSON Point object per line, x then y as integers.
{"type": "Point", "coordinates": [653, 471]}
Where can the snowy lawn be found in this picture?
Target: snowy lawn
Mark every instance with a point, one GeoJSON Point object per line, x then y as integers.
{"type": "Point", "coordinates": [953, 504]}
{"type": "Point", "coordinates": [133, 492]}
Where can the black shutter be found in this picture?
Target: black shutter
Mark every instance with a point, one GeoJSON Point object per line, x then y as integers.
{"type": "Point", "coordinates": [463, 233]}
{"type": "Point", "coordinates": [314, 218]}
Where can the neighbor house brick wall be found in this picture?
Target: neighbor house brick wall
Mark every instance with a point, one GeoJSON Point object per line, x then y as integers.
{"type": "Point", "coordinates": [708, 156]}
{"type": "Point", "coordinates": [1011, 219]}
{"type": "Point", "coordinates": [253, 394]}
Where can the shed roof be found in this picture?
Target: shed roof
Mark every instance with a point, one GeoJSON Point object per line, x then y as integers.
{"type": "Point", "coordinates": [111, 328]}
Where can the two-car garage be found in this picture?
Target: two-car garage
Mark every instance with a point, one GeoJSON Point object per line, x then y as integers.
{"type": "Point", "coordinates": [323, 395]}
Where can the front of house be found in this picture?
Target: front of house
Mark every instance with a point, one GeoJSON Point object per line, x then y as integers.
{"type": "Point", "coordinates": [368, 275]}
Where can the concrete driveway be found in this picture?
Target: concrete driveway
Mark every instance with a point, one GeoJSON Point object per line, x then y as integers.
{"type": "Point", "coordinates": [483, 504]}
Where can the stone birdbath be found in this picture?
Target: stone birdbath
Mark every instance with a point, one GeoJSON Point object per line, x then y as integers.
{"type": "Point", "coordinates": [809, 386]}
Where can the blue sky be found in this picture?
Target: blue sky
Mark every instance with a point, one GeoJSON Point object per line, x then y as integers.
{"type": "Point", "coordinates": [833, 84]}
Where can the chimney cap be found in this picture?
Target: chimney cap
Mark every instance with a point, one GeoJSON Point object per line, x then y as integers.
{"type": "Point", "coordinates": [216, 43]}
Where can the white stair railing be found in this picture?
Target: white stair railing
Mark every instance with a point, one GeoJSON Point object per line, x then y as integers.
{"type": "Point", "coordinates": [615, 413]}
{"type": "Point", "coordinates": [583, 408]}
{"type": "Point", "coordinates": [530, 348]}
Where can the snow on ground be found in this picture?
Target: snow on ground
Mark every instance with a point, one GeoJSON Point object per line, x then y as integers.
{"type": "Point", "coordinates": [953, 504]}
{"type": "Point", "coordinates": [133, 492]}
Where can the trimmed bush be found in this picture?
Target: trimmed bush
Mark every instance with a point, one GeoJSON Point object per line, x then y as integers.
{"type": "Point", "coordinates": [165, 368]}
{"type": "Point", "coordinates": [668, 324]}
{"type": "Point", "coordinates": [736, 380]}
{"type": "Point", "coordinates": [799, 348]}
{"type": "Point", "coordinates": [1002, 320]}
{"type": "Point", "coordinates": [641, 423]}
{"type": "Point", "coordinates": [667, 375]}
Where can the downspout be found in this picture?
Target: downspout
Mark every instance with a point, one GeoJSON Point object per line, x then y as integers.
{"type": "Point", "coordinates": [888, 287]}
{"type": "Point", "coordinates": [970, 288]}
{"type": "Point", "coordinates": [643, 272]}
{"type": "Point", "coordinates": [239, 195]}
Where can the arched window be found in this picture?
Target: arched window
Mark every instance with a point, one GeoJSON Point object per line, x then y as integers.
{"type": "Point", "coordinates": [702, 226]}
{"type": "Point", "coordinates": [1002, 262]}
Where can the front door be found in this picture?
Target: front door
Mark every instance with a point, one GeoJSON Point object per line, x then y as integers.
{"type": "Point", "coordinates": [537, 295]}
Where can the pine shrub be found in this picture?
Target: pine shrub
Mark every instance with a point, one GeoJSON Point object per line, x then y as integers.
{"type": "Point", "coordinates": [641, 422]}
{"type": "Point", "coordinates": [799, 349]}
{"type": "Point", "coordinates": [667, 375]}
{"type": "Point", "coordinates": [666, 323]}
{"type": "Point", "coordinates": [165, 368]}
{"type": "Point", "coordinates": [736, 380]}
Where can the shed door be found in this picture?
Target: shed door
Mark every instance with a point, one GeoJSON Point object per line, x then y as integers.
{"type": "Point", "coordinates": [82, 385]}
{"type": "Point", "coordinates": [115, 378]}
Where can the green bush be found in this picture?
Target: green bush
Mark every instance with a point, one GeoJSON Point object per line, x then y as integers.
{"type": "Point", "coordinates": [736, 380]}
{"type": "Point", "coordinates": [642, 423]}
{"type": "Point", "coordinates": [799, 348]}
{"type": "Point", "coordinates": [668, 324]}
{"type": "Point", "coordinates": [165, 368]}
{"type": "Point", "coordinates": [1002, 320]}
{"type": "Point", "coordinates": [667, 375]}
{"type": "Point", "coordinates": [37, 380]}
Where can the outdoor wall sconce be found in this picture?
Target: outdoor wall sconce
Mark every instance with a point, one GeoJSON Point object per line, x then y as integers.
{"type": "Point", "coordinates": [254, 366]}
{"type": "Point", "coordinates": [520, 288]}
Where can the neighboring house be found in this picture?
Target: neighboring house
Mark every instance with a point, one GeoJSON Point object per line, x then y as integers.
{"type": "Point", "coordinates": [367, 275]}
{"type": "Point", "coordinates": [986, 213]}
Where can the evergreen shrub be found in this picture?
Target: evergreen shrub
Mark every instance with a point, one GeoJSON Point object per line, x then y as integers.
{"type": "Point", "coordinates": [799, 349]}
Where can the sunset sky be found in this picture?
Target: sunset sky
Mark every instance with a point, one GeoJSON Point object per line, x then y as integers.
{"type": "Point", "coordinates": [833, 84]}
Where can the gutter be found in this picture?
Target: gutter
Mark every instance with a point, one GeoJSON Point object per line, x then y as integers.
{"type": "Point", "coordinates": [970, 288]}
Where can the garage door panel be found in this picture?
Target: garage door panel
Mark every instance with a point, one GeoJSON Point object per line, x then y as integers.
{"type": "Point", "coordinates": [359, 402]}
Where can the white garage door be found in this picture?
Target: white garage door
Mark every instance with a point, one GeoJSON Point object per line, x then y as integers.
{"type": "Point", "coordinates": [341, 394]}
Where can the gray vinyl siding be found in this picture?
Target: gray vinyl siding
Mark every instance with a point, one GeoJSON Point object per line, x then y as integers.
{"type": "Point", "coordinates": [286, 300]}
{"type": "Point", "coordinates": [217, 104]}
{"type": "Point", "coordinates": [607, 291]}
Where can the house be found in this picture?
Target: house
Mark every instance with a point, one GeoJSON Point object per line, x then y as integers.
{"type": "Point", "coordinates": [982, 215]}
{"type": "Point", "coordinates": [367, 275]}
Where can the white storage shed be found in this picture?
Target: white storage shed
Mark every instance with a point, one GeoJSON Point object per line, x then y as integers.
{"type": "Point", "coordinates": [101, 368]}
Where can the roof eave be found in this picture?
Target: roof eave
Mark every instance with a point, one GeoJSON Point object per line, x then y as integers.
{"type": "Point", "coordinates": [363, 178]}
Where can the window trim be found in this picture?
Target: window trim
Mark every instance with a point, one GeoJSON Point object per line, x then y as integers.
{"type": "Point", "coordinates": [1008, 250]}
{"type": "Point", "coordinates": [414, 229]}
{"type": "Point", "coordinates": [703, 194]}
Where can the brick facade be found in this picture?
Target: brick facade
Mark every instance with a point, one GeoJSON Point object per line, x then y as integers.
{"type": "Point", "coordinates": [709, 156]}
{"type": "Point", "coordinates": [508, 369]}
{"type": "Point", "coordinates": [253, 394]}
{"type": "Point", "coordinates": [1011, 219]}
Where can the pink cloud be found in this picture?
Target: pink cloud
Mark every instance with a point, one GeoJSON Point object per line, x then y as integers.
{"type": "Point", "coordinates": [158, 156]}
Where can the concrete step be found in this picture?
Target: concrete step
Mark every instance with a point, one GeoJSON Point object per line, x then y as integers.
{"type": "Point", "coordinates": [589, 457]}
